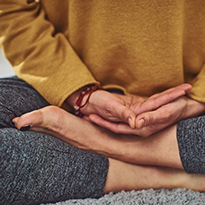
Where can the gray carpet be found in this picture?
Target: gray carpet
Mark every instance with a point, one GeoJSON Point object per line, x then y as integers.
{"type": "Point", "coordinates": [145, 197]}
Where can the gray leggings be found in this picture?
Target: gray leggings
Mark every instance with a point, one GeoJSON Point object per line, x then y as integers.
{"type": "Point", "coordinates": [37, 168]}
{"type": "Point", "coordinates": [191, 142]}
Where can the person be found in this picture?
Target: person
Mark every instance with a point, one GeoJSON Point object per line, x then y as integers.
{"type": "Point", "coordinates": [147, 134]}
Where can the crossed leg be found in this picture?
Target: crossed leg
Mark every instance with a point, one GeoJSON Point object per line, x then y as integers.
{"type": "Point", "coordinates": [38, 168]}
{"type": "Point", "coordinates": [134, 162]}
{"type": "Point", "coordinates": [39, 165]}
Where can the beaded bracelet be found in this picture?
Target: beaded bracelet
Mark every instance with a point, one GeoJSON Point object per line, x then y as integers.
{"type": "Point", "coordinates": [88, 90]}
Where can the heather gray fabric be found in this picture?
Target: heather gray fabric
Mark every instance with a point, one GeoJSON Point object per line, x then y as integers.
{"type": "Point", "coordinates": [191, 141]}
{"type": "Point", "coordinates": [37, 168]}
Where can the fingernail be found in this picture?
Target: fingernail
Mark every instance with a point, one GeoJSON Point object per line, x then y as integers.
{"type": "Point", "coordinates": [131, 123]}
{"type": "Point", "coordinates": [25, 128]}
{"type": "Point", "coordinates": [141, 123]}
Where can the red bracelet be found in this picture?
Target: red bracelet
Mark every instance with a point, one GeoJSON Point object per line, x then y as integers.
{"type": "Point", "coordinates": [88, 90]}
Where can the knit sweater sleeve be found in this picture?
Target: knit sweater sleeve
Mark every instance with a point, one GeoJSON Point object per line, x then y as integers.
{"type": "Point", "coordinates": [194, 47]}
{"type": "Point", "coordinates": [39, 55]}
{"type": "Point", "coordinates": [198, 90]}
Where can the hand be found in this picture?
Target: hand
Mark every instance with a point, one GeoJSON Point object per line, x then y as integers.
{"type": "Point", "coordinates": [182, 108]}
{"type": "Point", "coordinates": [139, 106]}
{"type": "Point", "coordinates": [105, 104]}
{"type": "Point", "coordinates": [121, 108]}
{"type": "Point", "coordinates": [110, 107]}
{"type": "Point", "coordinates": [158, 119]}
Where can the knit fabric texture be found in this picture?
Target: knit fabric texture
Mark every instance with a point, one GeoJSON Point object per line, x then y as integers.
{"type": "Point", "coordinates": [191, 141]}
{"type": "Point", "coordinates": [38, 168]}
{"type": "Point", "coordinates": [144, 197]}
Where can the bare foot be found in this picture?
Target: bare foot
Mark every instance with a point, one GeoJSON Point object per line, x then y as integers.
{"type": "Point", "coordinates": [69, 128]}
{"type": "Point", "coordinates": [160, 149]}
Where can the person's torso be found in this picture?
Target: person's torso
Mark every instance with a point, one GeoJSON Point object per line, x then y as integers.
{"type": "Point", "coordinates": [142, 47]}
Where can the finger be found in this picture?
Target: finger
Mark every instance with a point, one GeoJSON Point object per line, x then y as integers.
{"type": "Point", "coordinates": [163, 98]}
{"type": "Point", "coordinates": [119, 112]}
{"type": "Point", "coordinates": [116, 127]}
{"type": "Point", "coordinates": [85, 117]}
{"type": "Point", "coordinates": [158, 118]}
{"type": "Point", "coordinates": [185, 86]}
{"type": "Point", "coordinates": [126, 115]}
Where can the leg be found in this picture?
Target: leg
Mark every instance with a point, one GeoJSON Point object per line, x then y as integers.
{"type": "Point", "coordinates": [160, 149]}
{"type": "Point", "coordinates": [191, 139]}
{"type": "Point", "coordinates": [17, 98]}
{"type": "Point", "coordinates": [38, 168]}
{"type": "Point", "coordinates": [123, 176]}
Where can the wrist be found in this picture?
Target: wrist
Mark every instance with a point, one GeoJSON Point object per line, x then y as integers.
{"type": "Point", "coordinates": [80, 99]}
{"type": "Point", "coordinates": [73, 97]}
{"type": "Point", "coordinates": [194, 108]}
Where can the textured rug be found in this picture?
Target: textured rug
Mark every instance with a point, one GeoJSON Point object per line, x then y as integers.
{"type": "Point", "coordinates": [145, 197]}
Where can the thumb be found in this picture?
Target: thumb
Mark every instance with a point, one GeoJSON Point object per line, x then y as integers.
{"type": "Point", "coordinates": [127, 115]}
{"type": "Point", "coordinates": [147, 119]}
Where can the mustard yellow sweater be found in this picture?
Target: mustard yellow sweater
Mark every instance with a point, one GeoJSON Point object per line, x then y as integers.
{"type": "Point", "coordinates": [139, 46]}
